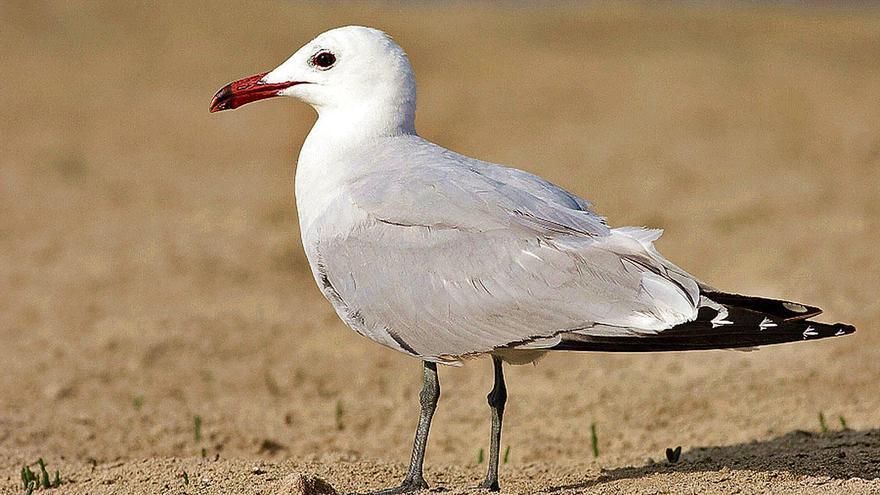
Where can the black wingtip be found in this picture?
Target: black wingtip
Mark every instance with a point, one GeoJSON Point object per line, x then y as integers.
{"type": "Point", "coordinates": [821, 330]}
{"type": "Point", "coordinates": [775, 308]}
{"type": "Point", "coordinates": [701, 335]}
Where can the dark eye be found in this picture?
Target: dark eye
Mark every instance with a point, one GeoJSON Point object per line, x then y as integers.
{"type": "Point", "coordinates": [323, 60]}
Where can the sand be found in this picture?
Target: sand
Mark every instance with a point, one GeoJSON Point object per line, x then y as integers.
{"type": "Point", "coordinates": [151, 271]}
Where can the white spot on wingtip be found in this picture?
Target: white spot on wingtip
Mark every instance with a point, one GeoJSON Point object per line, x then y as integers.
{"type": "Point", "coordinates": [766, 323]}
{"type": "Point", "coordinates": [721, 318]}
{"type": "Point", "coordinates": [810, 332]}
{"type": "Point", "coordinates": [797, 308]}
{"type": "Point", "coordinates": [839, 333]}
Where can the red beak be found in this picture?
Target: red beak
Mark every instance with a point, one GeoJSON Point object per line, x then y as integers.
{"type": "Point", "coordinates": [246, 90]}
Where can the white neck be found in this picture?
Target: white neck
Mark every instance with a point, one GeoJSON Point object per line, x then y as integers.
{"type": "Point", "coordinates": [351, 122]}
{"type": "Point", "coordinates": [325, 163]}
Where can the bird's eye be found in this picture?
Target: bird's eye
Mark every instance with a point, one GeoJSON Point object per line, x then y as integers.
{"type": "Point", "coordinates": [323, 60]}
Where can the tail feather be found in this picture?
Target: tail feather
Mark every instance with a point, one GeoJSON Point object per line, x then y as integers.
{"type": "Point", "coordinates": [724, 321]}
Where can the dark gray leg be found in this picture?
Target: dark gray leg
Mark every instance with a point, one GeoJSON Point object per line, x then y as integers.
{"type": "Point", "coordinates": [414, 480]}
{"type": "Point", "coordinates": [497, 398]}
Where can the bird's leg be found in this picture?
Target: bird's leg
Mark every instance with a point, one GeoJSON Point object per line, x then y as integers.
{"type": "Point", "coordinates": [497, 398]}
{"type": "Point", "coordinates": [428, 400]}
{"type": "Point", "coordinates": [414, 480]}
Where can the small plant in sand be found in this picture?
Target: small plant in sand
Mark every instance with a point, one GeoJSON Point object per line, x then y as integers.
{"type": "Point", "coordinates": [480, 455]}
{"type": "Point", "coordinates": [338, 415]}
{"type": "Point", "coordinates": [594, 440]}
{"type": "Point", "coordinates": [673, 455]}
{"type": "Point", "coordinates": [506, 454]}
{"type": "Point", "coordinates": [823, 423]}
{"type": "Point", "coordinates": [29, 479]}
{"type": "Point", "coordinates": [33, 480]}
{"type": "Point", "coordinates": [197, 432]}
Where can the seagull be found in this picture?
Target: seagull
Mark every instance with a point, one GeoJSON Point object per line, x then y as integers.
{"type": "Point", "coordinates": [444, 257]}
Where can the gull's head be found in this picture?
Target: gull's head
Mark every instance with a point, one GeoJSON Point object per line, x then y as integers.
{"type": "Point", "coordinates": [353, 69]}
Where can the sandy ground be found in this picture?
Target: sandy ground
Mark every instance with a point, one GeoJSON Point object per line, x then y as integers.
{"type": "Point", "coordinates": [151, 271]}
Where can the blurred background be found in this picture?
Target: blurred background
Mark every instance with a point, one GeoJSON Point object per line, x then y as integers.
{"type": "Point", "coordinates": [151, 270]}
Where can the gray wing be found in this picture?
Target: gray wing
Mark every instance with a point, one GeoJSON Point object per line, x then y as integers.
{"type": "Point", "coordinates": [450, 260]}
{"type": "Point", "coordinates": [435, 187]}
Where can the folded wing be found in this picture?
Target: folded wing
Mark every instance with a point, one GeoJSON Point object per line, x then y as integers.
{"type": "Point", "coordinates": [469, 262]}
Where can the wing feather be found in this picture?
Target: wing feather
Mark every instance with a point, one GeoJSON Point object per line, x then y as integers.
{"type": "Point", "coordinates": [458, 257]}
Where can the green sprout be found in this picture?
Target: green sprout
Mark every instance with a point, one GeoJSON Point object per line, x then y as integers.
{"type": "Point", "coordinates": [44, 475]}
{"type": "Point", "coordinates": [28, 477]}
{"type": "Point", "coordinates": [594, 440]}
{"type": "Point", "coordinates": [32, 480]}
{"type": "Point", "coordinates": [198, 428]}
{"type": "Point", "coordinates": [339, 411]}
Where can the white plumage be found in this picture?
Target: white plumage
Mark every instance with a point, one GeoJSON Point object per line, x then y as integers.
{"type": "Point", "coordinates": [442, 256]}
